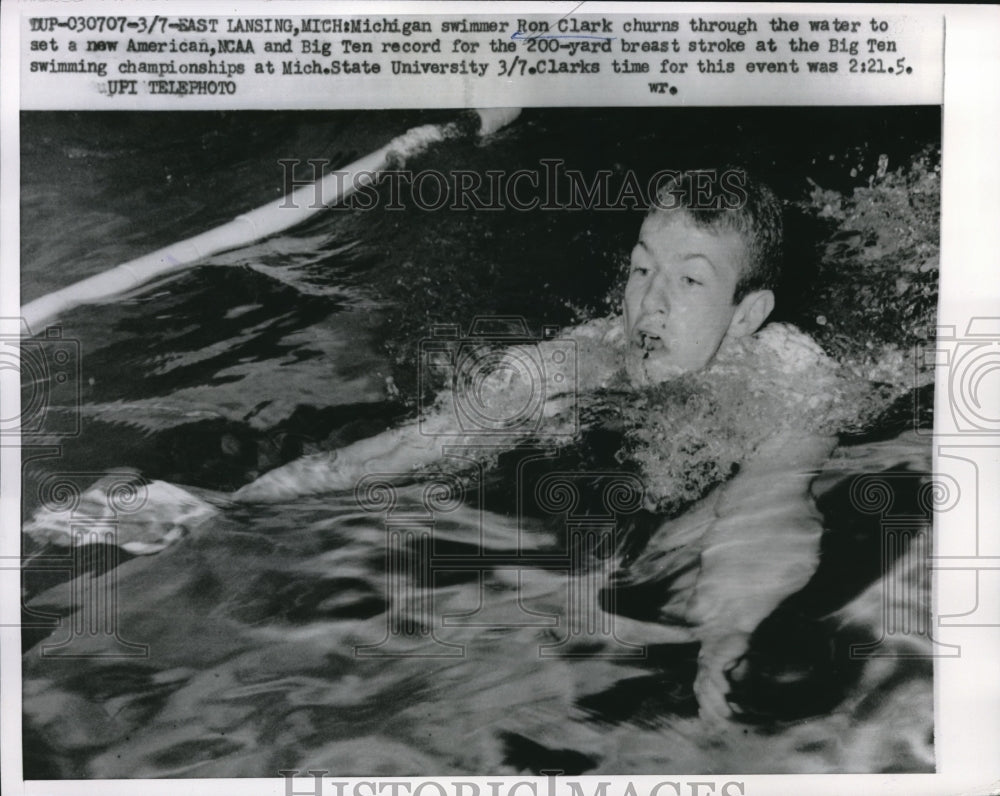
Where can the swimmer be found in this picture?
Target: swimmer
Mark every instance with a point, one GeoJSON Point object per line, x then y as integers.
{"type": "Point", "coordinates": [700, 287]}
{"type": "Point", "coordinates": [701, 283]}
{"type": "Point", "coordinates": [699, 280]}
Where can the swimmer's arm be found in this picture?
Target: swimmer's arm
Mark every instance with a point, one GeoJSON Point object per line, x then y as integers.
{"type": "Point", "coordinates": [762, 547]}
{"type": "Point", "coordinates": [591, 359]}
{"type": "Point", "coordinates": [392, 451]}
{"type": "Point", "coordinates": [397, 451]}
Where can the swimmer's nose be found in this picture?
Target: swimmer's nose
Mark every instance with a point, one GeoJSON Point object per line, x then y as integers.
{"type": "Point", "coordinates": [655, 301]}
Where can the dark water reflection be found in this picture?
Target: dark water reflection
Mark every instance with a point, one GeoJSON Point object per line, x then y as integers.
{"type": "Point", "coordinates": [255, 624]}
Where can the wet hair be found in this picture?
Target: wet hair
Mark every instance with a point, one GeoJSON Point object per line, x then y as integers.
{"type": "Point", "coordinates": [731, 199]}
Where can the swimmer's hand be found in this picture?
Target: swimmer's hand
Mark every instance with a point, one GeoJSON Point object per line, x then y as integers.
{"type": "Point", "coordinates": [123, 510]}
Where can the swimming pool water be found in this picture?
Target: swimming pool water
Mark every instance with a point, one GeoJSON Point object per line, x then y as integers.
{"type": "Point", "coordinates": [283, 348]}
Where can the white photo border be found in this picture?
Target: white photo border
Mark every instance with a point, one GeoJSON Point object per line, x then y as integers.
{"type": "Point", "coordinates": [967, 688]}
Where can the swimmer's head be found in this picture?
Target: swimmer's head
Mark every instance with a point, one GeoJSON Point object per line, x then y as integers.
{"type": "Point", "coordinates": [703, 271]}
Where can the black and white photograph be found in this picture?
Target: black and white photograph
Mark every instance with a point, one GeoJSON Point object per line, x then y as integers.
{"type": "Point", "coordinates": [530, 442]}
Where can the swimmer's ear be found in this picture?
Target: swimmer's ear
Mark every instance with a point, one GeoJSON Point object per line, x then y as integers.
{"type": "Point", "coordinates": [751, 313]}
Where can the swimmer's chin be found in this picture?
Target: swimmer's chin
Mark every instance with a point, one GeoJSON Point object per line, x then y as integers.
{"type": "Point", "coordinates": [644, 371]}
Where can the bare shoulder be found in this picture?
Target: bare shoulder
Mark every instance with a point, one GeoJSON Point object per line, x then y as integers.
{"type": "Point", "coordinates": [791, 348]}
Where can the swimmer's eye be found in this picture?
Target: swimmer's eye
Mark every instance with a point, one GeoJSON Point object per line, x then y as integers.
{"type": "Point", "coordinates": [688, 281]}
{"type": "Point", "coordinates": [638, 269]}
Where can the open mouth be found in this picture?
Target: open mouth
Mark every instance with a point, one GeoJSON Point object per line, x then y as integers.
{"type": "Point", "coordinates": [648, 343]}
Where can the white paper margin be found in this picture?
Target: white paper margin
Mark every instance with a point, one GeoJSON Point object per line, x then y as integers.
{"type": "Point", "coordinates": [967, 689]}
